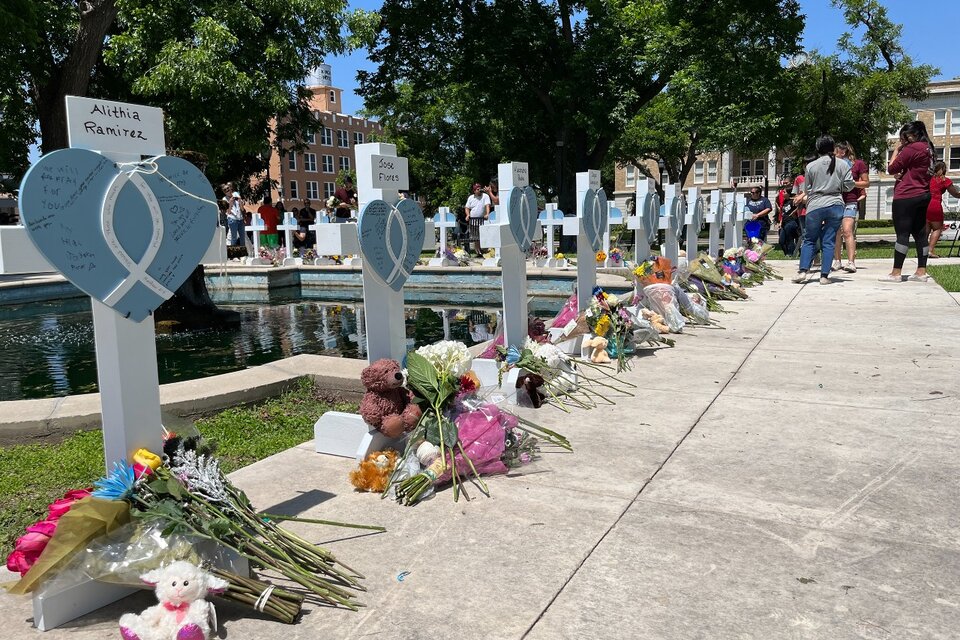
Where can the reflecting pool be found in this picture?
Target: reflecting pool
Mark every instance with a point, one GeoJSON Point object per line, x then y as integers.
{"type": "Point", "coordinates": [48, 347]}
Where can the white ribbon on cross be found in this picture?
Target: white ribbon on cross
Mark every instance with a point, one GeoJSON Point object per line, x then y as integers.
{"type": "Point", "coordinates": [397, 258]}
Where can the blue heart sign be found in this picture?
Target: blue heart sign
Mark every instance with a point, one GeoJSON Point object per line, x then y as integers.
{"type": "Point", "coordinates": [649, 211]}
{"type": "Point", "coordinates": [594, 217]}
{"type": "Point", "coordinates": [391, 238]}
{"type": "Point", "coordinates": [522, 216]}
{"type": "Point", "coordinates": [127, 235]}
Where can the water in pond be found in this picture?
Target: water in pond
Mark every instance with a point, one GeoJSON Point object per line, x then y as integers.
{"type": "Point", "coordinates": [48, 347]}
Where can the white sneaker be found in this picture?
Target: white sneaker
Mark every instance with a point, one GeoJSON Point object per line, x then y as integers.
{"type": "Point", "coordinates": [916, 278]}
{"type": "Point", "coordinates": [850, 268]}
{"type": "Point", "coordinates": [824, 280]}
{"type": "Point", "coordinates": [801, 277]}
{"type": "Point", "coordinates": [890, 278]}
{"type": "Point", "coordinates": [837, 265]}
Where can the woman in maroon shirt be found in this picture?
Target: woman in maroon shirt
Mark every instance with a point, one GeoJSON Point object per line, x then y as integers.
{"type": "Point", "coordinates": [913, 161]}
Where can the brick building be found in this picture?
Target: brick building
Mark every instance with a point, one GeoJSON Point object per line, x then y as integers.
{"type": "Point", "coordinates": [311, 174]}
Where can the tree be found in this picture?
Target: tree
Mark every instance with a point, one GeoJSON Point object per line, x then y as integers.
{"type": "Point", "coordinates": [856, 94]}
{"type": "Point", "coordinates": [550, 83]}
{"type": "Point", "coordinates": [220, 70]}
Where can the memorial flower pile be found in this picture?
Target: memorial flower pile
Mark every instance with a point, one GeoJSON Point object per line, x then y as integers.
{"type": "Point", "coordinates": [608, 318]}
{"type": "Point", "coordinates": [461, 436]}
{"type": "Point", "coordinates": [182, 492]}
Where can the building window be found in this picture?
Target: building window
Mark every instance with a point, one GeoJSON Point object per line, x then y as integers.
{"type": "Point", "coordinates": [312, 192]}
{"type": "Point", "coordinates": [312, 138]}
{"type": "Point", "coordinates": [343, 139]}
{"type": "Point", "coordinates": [664, 176]}
{"type": "Point", "coordinates": [357, 138]}
{"type": "Point", "coordinates": [326, 137]}
{"type": "Point", "coordinates": [712, 171]}
{"type": "Point", "coordinates": [954, 120]}
{"type": "Point", "coordinates": [938, 153]}
{"type": "Point", "coordinates": [954, 158]}
{"type": "Point", "coordinates": [698, 172]}
{"type": "Point", "coordinates": [759, 167]}
{"type": "Point", "coordinates": [888, 201]}
{"type": "Point", "coordinates": [631, 175]}
{"type": "Point", "coordinates": [333, 96]}
{"type": "Point", "coordinates": [310, 162]}
{"type": "Point", "coordinates": [344, 163]}
{"type": "Point", "coordinates": [327, 164]}
{"type": "Point", "coordinates": [329, 188]}
{"type": "Point", "coordinates": [787, 166]}
{"type": "Point", "coordinates": [294, 190]}
{"type": "Point", "coordinates": [744, 168]}
{"type": "Point", "coordinates": [292, 161]}
{"type": "Point", "coordinates": [939, 122]}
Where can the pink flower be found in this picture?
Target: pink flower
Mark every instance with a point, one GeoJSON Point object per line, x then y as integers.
{"type": "Point", "coordinates": [61, 506]}
{"type": "Point", "coordinates": [29, 547]}
{"type": "Point", "coordinates": [46, 527]}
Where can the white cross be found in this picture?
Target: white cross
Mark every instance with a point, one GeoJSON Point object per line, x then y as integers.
{"type": "Point", "coordinates": [694, 221]}
{"type": "Point", "coordinates": [645, 219]}
{"type": "Point", "coordinates": [290, 224]}
{"type": "Point", "coordinates": [614, 217]}
{"type": "Point", "coordinates": [742, 214]}
{"type": "Point", "coordinates": [714, 218]}
{"type": "Point", "coordinates": [257, 227]}
{"type": "Point", "coordinates": [671, 220]}
{"type": "Point", "coordinates": [550, 219]}
{"type": "Point", "coordinates": [586, 262]}
{"type": "Point", "coordinates": [444, 220]}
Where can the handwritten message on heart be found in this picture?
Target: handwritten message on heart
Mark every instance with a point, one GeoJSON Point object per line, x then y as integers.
{"type": "Point", "coordinates": [127, 235]}
{"type": "Point", "coordinates": [522, 216]}
{"type": "Point", "coordinates": [391, 239]}
{"type": "Point", "coordinates": [649, 212]}
{"type": "Point", "coordinates": [594, 217]}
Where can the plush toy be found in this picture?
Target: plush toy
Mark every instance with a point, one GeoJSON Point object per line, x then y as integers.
{"type": "Point", "coordinates": [387, 404]}
{"type": "Point", "coordinates": [529, 384]}
{"type": "Point", "coordinates": [598, 349]}
{"type": "Point", "coordinates": [656, 320]}
{"type": "Point", "coordinates": [182, 614]}
{"type": "Point", "coordinates": [373, 474]}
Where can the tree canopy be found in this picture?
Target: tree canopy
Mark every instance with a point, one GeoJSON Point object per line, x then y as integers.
{"type": "Point", "coordinates": [220, 70]}
{"type": "Point", "coordinates": [856, 93]}
{"type": "Point", "coordinates": [550, 83]}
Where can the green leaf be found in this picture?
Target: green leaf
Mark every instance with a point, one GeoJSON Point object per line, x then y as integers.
{"type": "Point", "coordinates": [449, 432]}
{"type": "Point", "coordinates": [174, 488]}
{"type": "Point", "coordinates": [422, 377]}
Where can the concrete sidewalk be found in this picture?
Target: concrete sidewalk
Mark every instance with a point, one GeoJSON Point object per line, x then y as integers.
{"type": "Point", "coordinates": [793, 475]}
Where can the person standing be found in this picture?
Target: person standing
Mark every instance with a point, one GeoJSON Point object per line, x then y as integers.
{"type": "Point", "coordinates": [760, 208]}
{"type": "Point", "coordinates": [788, 218]}
{"type": "Point", "coordinates": [825, 182]}
{"type": "Point", "coordinates": [235, 220]}
{"type": "Point", "coordinates": [851, 207]}
{"type": "Point", "coordinates": [346, 200]}
{"type": "Point", "coordinates": [477, 210]}
{"type": "Point", "coordinates": [912, 160]}
{"type": "Point", "coordinates": [939, 183]}
{"type": "Point", "coordinates": [271, 218]}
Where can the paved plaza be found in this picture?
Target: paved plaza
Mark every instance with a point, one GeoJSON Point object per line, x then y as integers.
{"type": "Point", "coordinates": [790, 475]}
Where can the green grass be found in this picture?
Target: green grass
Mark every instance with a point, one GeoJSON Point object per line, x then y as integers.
{"type": "Point", "coordinates": [865, 250]}
{"type": "Point", "coordinates": [34, 475]}
{"type": "Point", "coordinates": [947, 276]}
{"type": "Point", "coordinates": [873, 231]}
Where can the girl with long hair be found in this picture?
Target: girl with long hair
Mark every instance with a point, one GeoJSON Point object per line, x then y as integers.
{"type": "Point", "coordinates": [851, 207]}
{"type": "Point", "coordinates": [912, 160]}
{"type": "Point", "coordinates": [825, 182]}
{"type": "Point", "coordinates": [938, 184]}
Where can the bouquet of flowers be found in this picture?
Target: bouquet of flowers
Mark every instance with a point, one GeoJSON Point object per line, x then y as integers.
{"type": "Point", "coordinates": [460, 435]}
{"type": "Point", "coordinates": [273, 256]}
{"type": "Point", "coordinates": [616, 255]}
{"type": "Point", "coordinates": [540, 253]}
{"type": "Point", "coordinates": [558, 256]}
{"type": "Point", "coordinates": [754, 260]}
{"type": "Point", "coordinates": [601, 257]}
{"type": "Point", "coordinates": [333, 202]}
{"type": "Point", "coordinates": [608, 318]}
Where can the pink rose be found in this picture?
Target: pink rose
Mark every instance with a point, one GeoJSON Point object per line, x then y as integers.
{"type": "Point", "coordinates": [16, 561]}
{"type": "Point", "coordinates": [46, 527]}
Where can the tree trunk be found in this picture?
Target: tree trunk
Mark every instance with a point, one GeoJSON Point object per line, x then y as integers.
{"type": "Point", "coordinates": [191, 308]}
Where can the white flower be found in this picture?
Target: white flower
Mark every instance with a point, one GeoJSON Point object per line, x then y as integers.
{"type": "Point", "coordinates": [202, 476]}
{"type": "Point", "coordinates": [448, 356]}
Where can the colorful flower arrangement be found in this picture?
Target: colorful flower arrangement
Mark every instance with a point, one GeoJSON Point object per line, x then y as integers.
{"type": "Point", "coordinates": [461, 436]}
{"type": "Point", "coordinates": [608, 318]}
{"type": "Point", "coordinates": [182, 492]}
{"type": "Point", "coordinates": [616, 255]}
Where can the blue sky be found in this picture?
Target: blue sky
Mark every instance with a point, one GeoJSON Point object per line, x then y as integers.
{"type": "Point", "coordinates": [929, 34]}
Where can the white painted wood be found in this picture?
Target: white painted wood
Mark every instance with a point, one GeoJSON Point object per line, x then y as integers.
{"type": "Point", "coordinates": [742, 215]}
{"type": "Point", "coordinates": [288, 226]}
{"type": "Point", "coordinates": [715, 220]}
{"type": "Point", "coordinates": [729, 211]}
{"type": "Point", "coordinates": [646, 209]}
{"type": "Point", "coordinates": [673, 207]}
{"type": "Point", "coordinates": [217, 251]}
{"type": "Point", "coordinates": [551, 218]}
{"type": "Point", "coordinates": [347, 435]}
{"type": "Point", "coordinates": [443, 220]}
{"type": "Point", "coordinates": [614, 218]}
{"type": "Point", "coordinates": [257, 226]}
{"type": "Point", "coordinates": [17, 253]}
{"type": "Point", "coordinates": [694, 220]}
{"type": "Point", "coordinates": [586, 264]}
{"type": "Point", "coordinates": [337, 239]}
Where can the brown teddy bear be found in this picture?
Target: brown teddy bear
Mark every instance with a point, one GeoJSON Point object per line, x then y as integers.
{"type": "Point", "coordinates": [387, 404]}
{"type": "Point", "coordinates": [373, 474]}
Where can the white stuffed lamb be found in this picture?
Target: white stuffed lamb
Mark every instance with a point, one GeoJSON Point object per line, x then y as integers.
{"type": "Point", "coordinates": [183, 613]}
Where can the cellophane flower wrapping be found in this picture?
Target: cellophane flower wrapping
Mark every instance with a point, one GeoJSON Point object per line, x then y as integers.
{"type": "Point", "coordinates": [692, 305]}
{"type": "Point", "coordinates": [482, 434]}
{"type": "Point", "coordinates": [661, 299]}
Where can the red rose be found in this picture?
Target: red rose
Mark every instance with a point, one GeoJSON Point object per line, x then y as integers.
{"type": "Point", "coordinates": [61, 506]}
{"type": "Point", "coordinates": [46, 527]}
{"type": "Point", "coordinates": [27, 550]}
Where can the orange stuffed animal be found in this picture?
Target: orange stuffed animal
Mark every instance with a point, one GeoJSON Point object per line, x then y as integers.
{"type": "Point", "coordinates": [373, 474]}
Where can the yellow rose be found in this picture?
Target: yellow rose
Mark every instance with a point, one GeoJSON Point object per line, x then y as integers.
{"type": "Point", "coordinates": [147, 459]}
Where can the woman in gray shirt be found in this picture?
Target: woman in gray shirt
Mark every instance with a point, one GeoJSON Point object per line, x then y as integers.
{"type": "Point", "coordinates": [825, 182]}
